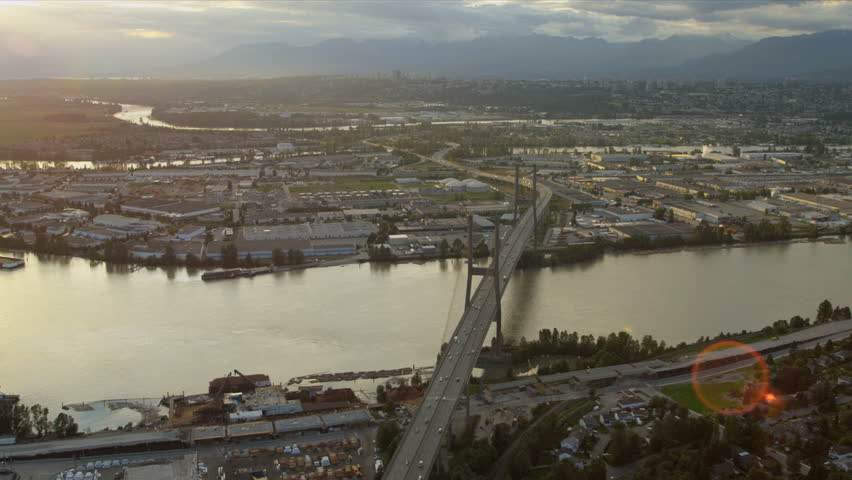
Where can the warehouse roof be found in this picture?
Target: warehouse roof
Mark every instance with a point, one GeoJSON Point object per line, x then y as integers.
{"type": "Point", "coordinates": [346, 418]}
{"type": "Point", "coordinates": [296, 424]}
{"type": "Point", "coordinates": [248, 429]}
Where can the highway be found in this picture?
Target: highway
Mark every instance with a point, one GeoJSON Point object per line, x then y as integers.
{"type": "Point", "coordinates": [421, 441]}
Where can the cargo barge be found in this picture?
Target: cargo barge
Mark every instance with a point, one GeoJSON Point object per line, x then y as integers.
{"type": "Point", "coordinates": [234, 273]}
{"type": "Point", "coordinates": [9, 263]}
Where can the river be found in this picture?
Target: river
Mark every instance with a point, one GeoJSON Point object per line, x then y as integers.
{"type": "Point", "coordinates": [74, 331]}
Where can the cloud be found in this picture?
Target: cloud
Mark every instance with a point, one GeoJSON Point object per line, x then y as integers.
{"type": "Point", "coordinates": [639, 27]}
{"type": "Point", "coordinates": [185, 30]}
{"type": "Point", "coordinates": [144, 33]}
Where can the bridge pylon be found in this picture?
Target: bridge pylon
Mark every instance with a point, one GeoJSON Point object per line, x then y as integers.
{"type": "Point", "coordinates": [493, 271]}
{"type": "Point", "coordinates": [535, 206]}
{"type": "Point", "coordinates": [517, 191]}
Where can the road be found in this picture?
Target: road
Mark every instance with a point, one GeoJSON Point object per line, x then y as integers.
{"type": "Point", "coordinates": [422, 440]}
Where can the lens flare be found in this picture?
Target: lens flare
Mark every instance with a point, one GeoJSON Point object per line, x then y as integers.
{"type": "Point", "coordinates": [730, 393]}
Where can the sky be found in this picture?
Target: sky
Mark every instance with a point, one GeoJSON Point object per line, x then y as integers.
{"type": "Point", "coordinates": [167, 32]}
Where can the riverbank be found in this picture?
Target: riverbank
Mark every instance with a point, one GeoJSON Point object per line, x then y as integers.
{"type": "Point", "coordinates": [829, 240]}
{"type": "Point", "coordinates": [268, 267]}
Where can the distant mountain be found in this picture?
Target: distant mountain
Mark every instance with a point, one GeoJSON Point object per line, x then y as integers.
{"type": "Point", "coordinates": [532, 56]}
{"type": "Point", "coordinates": [818, 56]}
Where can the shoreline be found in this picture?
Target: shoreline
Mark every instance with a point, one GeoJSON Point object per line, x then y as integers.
{"type": "Point", "coordinates": [827, 240]}
{"type": "Point", "coordinates": [833, 239]}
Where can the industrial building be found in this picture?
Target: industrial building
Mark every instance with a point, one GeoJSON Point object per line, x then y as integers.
{"type": "Point", "coordinates": [839, 206]}
{"type": "Point", "coordinates": [189, 232]}
{"type": "Point", "coordinates": [308, 231]}
{"type": "Point", "coordinates": [253, 429]}
{"type": "Point", "coordinates": [470, 185]}
{"type": "Point", "coordinates": [626, 214]}
{"type": "Point", "coordinates": [168, 208]}
{"type": "Point", "coordinates": [653, 230]}
{"type": "Point", "coordinates": [262, 249]}
{"type": "Point", "coordinates": [156, 247]}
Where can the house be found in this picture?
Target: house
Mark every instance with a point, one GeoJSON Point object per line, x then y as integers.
{"type": "Point", "coordinates": [631, 401]}
{"type": "Point", "coordinates": [572, 444]}
{"type": "Point", "coordinates": [625, 417]}
{"type": "Point", "coordinates": [841, 452]}
{"type": "Point", "coordinates": [589, 422]}
{"type": "Point", "coordinates": [745, 460]}
{"type": "Point", "coordinates": [607, 419]}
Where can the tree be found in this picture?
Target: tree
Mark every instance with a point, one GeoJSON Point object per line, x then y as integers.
{"type": "Point", "coordinates": [458, 247]}
{"type": "Point", "coordinates": [192, 261]}
{"type": "Point", "coordinates": [670, 216]}
{"type": "Point", "coordinates": [169, 257]}
{"type": "Point", "coordinates": [824, 312]}
{"type": "Point", "coordinates": [416, 380]}
{"type": "Point", "coordinates": [502, 437]}
{"type": "Point", "coordinates": [278, 257]}
{"type": "Point", "coordinates": [64, 425]}
{"type": "Point", "coordinates": [624, 446]}
{"type": "Point", "coordinates": [841, 314]}
{"type": "Point", "coordinates": [230, 256]}
{"type": "Point", "coordinates": [444, 248]}
{"type": "Point", "coordinates": [521, 463]}
{"type": "Point", "coordinates": [794, 463]}
{"type": "Point", "coordinates": [388, 430]}
{"type": "Point", "coordinates": [39, 419]}
{"type": "Point", "coordinates": [381, 396]}
{"type": "Point", "coordinates": [248, 261]}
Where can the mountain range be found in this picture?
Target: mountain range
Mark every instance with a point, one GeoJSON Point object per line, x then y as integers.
{"type": "Point", "coordinates": [818, 56]}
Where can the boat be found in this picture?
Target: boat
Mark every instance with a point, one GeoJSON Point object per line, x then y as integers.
{"type": "Point", "coordinates": [9, 263]}
{"type": "Point", "coordinates": [236, 273]}
{"type": "Point", "coordinates": [222, 274]}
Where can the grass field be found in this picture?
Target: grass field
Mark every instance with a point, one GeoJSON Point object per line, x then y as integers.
{"type": "Point", "coordinates": [683, 394]}
{"type": "Point", "coordinates": [23, 120]}
{"type": "Point", "coordinates": [717, 393]}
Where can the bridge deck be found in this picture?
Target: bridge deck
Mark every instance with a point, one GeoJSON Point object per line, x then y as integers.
{"type": "Point", "coordinates": [422, 439]}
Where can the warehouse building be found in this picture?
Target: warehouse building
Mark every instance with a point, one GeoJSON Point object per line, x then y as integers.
{"type": "Point", "coordinates": [653, 230]}
{"type": "Point", "coordinates": [168, 208]}
{"type": "Point", "coordinates": [307, 231]}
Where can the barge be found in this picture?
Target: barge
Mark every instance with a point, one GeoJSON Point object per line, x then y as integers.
{"type": "Point", "coordinates": [234, 273]}
{"type": "Point", "coordinates": [9, 263]}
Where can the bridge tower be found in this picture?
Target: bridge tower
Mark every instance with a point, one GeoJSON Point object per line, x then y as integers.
{"type": "Point", "coordinates": [517, 191]}
{"type": "Point", "coordinates": [493, 271]}
{"type": "Point", "coordinates": [535, 207]}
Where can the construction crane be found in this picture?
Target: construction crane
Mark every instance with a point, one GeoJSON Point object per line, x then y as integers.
{"type": "Point", "coordinates": [251, 385]}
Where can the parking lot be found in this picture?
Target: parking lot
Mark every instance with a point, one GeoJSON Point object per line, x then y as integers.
{"type": "Point", "coordinates": [339, 456]}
